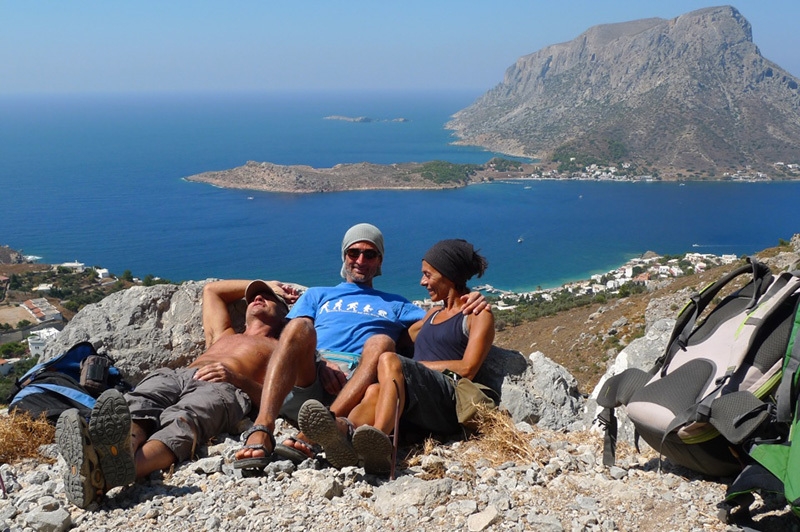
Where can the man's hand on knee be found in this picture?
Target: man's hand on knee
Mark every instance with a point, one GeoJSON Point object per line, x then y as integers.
{"type": "Point", "coordinates": [332, 378]}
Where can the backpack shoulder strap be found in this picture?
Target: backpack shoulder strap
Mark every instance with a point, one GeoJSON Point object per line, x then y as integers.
{"type": "Point", "coordinates": [617, 391]}
{"type": "Point", "coordinates": [76, 395]}
{"type": "Point", "coordinates": [68, 362]}
{"type": "Point", "coordinates": [787, 389]}
{"type": "Point", "coordinates": [689, 314]}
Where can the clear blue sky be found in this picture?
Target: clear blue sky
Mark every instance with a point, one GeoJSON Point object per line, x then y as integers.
{"type": "Point", "coordinates": [180, 45]}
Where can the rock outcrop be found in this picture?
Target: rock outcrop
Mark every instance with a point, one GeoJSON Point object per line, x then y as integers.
{"type": "Point", "coordinates": [692, 94]}
{"type": "Point", "coordinates": [142, 328]}
{"type": "Point", "coordinates": [10, 256]}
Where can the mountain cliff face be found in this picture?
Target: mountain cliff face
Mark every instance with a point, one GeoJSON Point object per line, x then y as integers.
{"type": "Point", "coordinates": [688, 94]}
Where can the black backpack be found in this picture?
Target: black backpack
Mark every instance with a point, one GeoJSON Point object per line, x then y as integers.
{"type": "Point", "coordinates": [73, 379]}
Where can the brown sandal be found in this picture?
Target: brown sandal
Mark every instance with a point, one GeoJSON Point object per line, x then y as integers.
{"type": "Point", "coordinates": [319, 425]}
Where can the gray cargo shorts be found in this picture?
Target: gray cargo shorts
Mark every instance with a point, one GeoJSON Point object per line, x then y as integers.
{"type": "Point", "coordinates": [184, 412]}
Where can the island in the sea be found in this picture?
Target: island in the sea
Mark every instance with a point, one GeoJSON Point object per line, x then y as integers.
{"type": "Point", "coordinates": [300, 179]}
{"type": "Point", "coordinates": [270, 177]}
{"type": "Point", "coordinates": [363, 119]}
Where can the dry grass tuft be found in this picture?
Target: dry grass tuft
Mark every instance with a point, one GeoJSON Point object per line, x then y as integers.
{"type": "Point", "coordinates": [433, 469]}
{"type": "Point", "coordinates": [415, 453]}
{"type": "Point", "coordinates": [21, 436]}
{"type": "Point", "coordinates": [498, 439]}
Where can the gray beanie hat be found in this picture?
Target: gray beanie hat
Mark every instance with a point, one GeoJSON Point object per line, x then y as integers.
{"type": "Point", "coordinates": [362, 233]}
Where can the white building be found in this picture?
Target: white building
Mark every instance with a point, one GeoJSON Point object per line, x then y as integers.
{"type": "Point", "coordinates": [41, 310]}
{"type": "Point", "coordinates": [38, 340]}
{"type": "Point", "coordinates": [7, 365]}
{"type": "Point", "coordinates": [77, 266]}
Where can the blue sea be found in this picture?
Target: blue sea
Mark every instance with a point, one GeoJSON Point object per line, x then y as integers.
{"type": "Point", "coordinates": [99, 179]}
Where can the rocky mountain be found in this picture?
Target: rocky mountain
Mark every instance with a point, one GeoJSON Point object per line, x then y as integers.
{"type": "Point", "coordinates": [692, 95]}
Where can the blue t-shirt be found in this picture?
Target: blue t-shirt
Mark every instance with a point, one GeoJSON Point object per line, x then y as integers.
{"type": "Point", "coordinates": [347, 314]}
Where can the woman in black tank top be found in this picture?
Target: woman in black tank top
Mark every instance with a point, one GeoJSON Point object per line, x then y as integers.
{"type": "Point", "coordinates": [447, 345]}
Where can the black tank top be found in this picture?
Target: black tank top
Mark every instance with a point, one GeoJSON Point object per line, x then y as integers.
{"type": "Point", "coordinates": [442, 341]}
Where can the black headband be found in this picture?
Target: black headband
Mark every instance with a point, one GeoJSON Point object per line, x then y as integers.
{"type": "Point", "coordinates": [453, 259]}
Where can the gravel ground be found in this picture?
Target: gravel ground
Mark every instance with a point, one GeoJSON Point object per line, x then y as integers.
{"type": "Point", "coordinates": [561, 485]}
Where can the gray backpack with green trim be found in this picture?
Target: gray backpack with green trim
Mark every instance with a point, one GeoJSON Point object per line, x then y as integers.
{"type": "Point", "coordinates": [710, 392]}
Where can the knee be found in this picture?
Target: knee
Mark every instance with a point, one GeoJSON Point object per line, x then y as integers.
{"type": "Point", "coordinates": [389, 366]}
{"type": "Point", "coordinates": [377, 344]}
{"type": "Point", "coordinates": [299, 332]}
{"type": "Point", "coordinates": [139, 435]}
{"type": "Point", "coordinates": [371, 395]}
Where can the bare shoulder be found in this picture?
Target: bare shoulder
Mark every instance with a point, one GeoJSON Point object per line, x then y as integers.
{"type": "Point", "coordinates": [483, 320]}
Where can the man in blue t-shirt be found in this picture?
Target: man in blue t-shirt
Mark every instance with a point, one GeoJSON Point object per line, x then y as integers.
{"type": "Point", "coordinates": [331, 331]}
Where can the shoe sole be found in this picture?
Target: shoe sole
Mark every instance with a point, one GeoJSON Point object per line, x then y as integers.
{"type": "Point", "coordinates": [375, 449]}
{"type": "Point", "coordinates": [319, 426]}
{"type": "Point", "coordinates": [83, 476]}
{"type": "Point", "coordinates": [110, 431]}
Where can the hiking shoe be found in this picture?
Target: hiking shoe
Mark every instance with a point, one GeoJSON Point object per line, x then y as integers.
{"type": "Point", "coordinates": [319, 425]}
{"type": "Point", "coordinates": [110, 431]}
{"type": "Point", "coordinates": [375, 449]}
{"type": "Point", "coordinates": [83, 478]}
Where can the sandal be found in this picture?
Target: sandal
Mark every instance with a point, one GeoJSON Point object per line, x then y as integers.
{"type": "Point", "coordinates": [295, 455]}
{"type": "Point", "coordinates": [319, 425]}
{"type": "Point", "coordinates": [375, 449]}
{"type": "Point", "coordinates": [255, 463]}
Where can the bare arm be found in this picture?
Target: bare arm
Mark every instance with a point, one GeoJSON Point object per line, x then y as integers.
{"type": "Point", "coordinates": [216, 297]}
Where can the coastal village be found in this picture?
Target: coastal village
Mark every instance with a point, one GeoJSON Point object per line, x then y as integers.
{"type": "Point", "coordinates": [644, 271]}
{"type": "Point", "coordinates": [44, 320]}
{"type": "Point", "coordinates": [626, 172]}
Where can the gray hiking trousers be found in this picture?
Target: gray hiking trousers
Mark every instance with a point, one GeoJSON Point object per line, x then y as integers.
{"type": "Point", "coordinates": [183, 412]}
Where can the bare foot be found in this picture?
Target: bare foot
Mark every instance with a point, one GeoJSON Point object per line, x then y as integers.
{"type": "Point", "coordinates": [302, 444]}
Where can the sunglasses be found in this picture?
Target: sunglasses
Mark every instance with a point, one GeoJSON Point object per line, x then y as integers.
{"type": "Point", "coordinates": [369, 254]}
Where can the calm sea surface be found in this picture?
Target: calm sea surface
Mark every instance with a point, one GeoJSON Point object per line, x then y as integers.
{"type": "Point", "coordinates": [99, 180]}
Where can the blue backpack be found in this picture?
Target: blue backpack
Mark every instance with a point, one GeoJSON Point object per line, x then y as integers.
{"type": "Point", "coordinates": [73, 379]}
